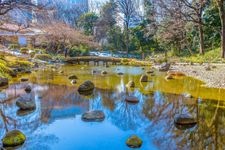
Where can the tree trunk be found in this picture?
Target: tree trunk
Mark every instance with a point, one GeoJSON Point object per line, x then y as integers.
{"type": "Point", "coordinates": [201, 37]}
{"type": "Point", "coordinates": [222, 18]}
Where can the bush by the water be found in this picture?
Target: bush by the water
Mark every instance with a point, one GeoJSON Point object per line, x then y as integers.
{"type": "Point", "coordinates": [24, 50]}
{"type": "Point", "coordinates": [44, 57]}
{"type": "Point", "coordinates": [78, 51]}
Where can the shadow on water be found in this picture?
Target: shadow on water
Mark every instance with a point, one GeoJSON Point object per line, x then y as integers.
{"type": "Point", "coordinates": [56, 122]}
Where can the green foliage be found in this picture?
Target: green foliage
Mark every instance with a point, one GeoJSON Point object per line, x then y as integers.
{"type": "Point", "coordinates": [87, 22]}
{"type": "Point", "coordinates": [13, 46]}
{"type": "Point", "coordinates": [79, 51]}
{"type": "Point", "coordinates": [40, 51]}
{"type": "Point", "coordinates": [44, 57]}
{"type": "Point", "coordinates": [210, 56]}
{"type": "Point", "coordinates": [4, 69]}
{"type": "Point", "coordinates": [24, 50]}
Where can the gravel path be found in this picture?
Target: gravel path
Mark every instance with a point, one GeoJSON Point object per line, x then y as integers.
{"type": "Point", "coordinates": [213, 78]}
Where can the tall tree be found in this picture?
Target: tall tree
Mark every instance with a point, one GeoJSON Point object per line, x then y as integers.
{"type": "Point", "coordinates": [220, 5]}
{"type": "Point", "coordinates": [127, 10]}
{"type": "Point", "coordinates": [87, 22]}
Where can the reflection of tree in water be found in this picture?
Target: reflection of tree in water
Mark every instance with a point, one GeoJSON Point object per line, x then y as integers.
{"type": "Point", "coordinates": [125, 116]}
{"type": "Point", "coordinates": [208, 134]}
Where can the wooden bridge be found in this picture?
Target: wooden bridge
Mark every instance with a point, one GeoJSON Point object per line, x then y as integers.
{"type": "Point", "coordinates": [95, 59]}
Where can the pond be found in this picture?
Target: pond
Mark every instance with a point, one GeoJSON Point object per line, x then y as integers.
{"type": "Point", "coordinates": [56, 122]}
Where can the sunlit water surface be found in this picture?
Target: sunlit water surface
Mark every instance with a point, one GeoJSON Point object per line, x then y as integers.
{"type": "Point", "coordinates": [56, 123]}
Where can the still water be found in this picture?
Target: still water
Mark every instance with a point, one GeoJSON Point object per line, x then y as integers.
{"type": "Point", "coordinates": [56, 123]}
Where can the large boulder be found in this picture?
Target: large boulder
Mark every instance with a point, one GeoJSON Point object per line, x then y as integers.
{"type": "Point", "coordinates": [4, 81]}
{"type": "Point", "coordinates": [131, 84]}
{"type": "Point", "coordinates": [134, 142]}
{"type": "Point", "coordinates": [164, 67]}
{"type": "Point", "coordinates": [25, 103]}
{"type": "Point", "coordinates": [144, 78]}
{"type": "Point", "coordinates": [86, 88]}
{"type": "Point", "coordinates": [13, 138]}
{"type": "Point", "coordinates": [93, 116]}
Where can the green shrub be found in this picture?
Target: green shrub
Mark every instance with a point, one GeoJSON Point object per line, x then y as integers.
{"type": "Point", "coordinates": [78, 51]}
{"type": "Point", "coordinates": [24, 50]}
{"type": "Point", "coordinates": [44, 57]}
{"type": "Point", "coordinates": [13, 46]}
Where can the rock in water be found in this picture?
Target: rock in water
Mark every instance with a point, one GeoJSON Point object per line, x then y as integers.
{"type": "Point", "coordinates": [150, 71]}
{"type": "Point", "coordinates": [169, 77]}
{"type": "Point", "coordinates": [164, 67]}
{"type": "Point", "coordinates": [131, 99]}
{"type": "Point", "coordinates": [120, 73]}
{"type": "Point", "coordinates": [86, 88]}
{"type": "Point", "coordinates": [72, 77]}
{"type": "Point", "coordinates": [184, 121]}
{"type": "Point", "coordinates": [104, 72]}
{"type": "Point", "coordinates": [144, 78]}
{"type": "Point", "coordinates": [28, 89]}
{"type": "Point", "coordinates": [25, 103]}
{"type": "Point", "coordinates": [24, 79]}
{"type": "Point", "coordinates": [93, 116]}
{"type": "Point", "coordinates": [73, 81]}
{"type": "Point", "coordinates": [134, 142]}
{"type": "Point", "coordinates": [13, 138]}
{"type": "Point", "coordinates": [131, 84]}
{"type": "Point", "coordinates": [4, 81]}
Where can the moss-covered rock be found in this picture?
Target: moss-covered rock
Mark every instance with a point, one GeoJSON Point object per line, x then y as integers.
{"type": "Point", "coordinates": [13, 138]}
{"type": "Point", "coordinates": [134, 142]}
{"type": "Point", "coordinates": [44, 57]}
{"type": "Point", "coordinates": [86, 88]}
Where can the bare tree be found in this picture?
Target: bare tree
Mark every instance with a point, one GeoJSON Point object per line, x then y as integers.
{"type": "Point", "coordinates": [127, 11]}
{"type": "Point", "coordinates": [190, 11]}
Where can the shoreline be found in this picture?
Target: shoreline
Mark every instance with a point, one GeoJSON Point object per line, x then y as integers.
{"type": "Point", "coordinates": [213, 78]}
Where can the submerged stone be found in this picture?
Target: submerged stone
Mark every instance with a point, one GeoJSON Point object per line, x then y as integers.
{"type": "Point", "coordinates": [169, 77]}
{"type": "Point", "coordinates": [13, 138]}
{"type": "Point", "coordinates": [134, 142]}
{"type": "Point", "coordinates": [120, 73]}
{"type": "Point", "coordinates": [144, 78]}
{"type": "Point", "coordinates": [132, 99]}
{"type": "Point", "coordinates": [86, 88]}
{"type": "Point", "coordinates": [95, 116]}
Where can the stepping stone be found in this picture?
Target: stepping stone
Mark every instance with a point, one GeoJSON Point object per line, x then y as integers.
{"type": "Point", "coordinates": [132, 99]}
{"type": "Point", "coordinates": [93, 116]}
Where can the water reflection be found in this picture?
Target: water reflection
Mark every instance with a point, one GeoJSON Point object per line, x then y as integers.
{"type": "Point", "coordinates": [56, 123]}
